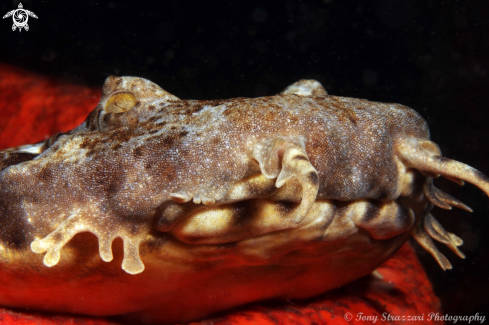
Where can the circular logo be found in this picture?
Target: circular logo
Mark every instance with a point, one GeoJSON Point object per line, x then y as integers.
{"type": "Point", "coordinates": [348, 316]}
{"type": "Point", "coordinates": [20, 18]}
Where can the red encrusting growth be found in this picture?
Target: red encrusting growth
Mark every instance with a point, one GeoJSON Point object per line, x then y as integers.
{"type": "Point", "coordinates": [33, 107]}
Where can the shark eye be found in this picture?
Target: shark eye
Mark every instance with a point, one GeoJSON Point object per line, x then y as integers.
{"type": "Point", "coordinates": [120, 103]}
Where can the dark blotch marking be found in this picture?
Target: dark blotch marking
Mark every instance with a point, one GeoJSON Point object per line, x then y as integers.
{"type": "Point", "coordinates": [194, 109]}
{"type": "Point", "coordinates": [117, 146]}
{"type": "Point", "coordinates": [481, 176]}
{"type": "Point", "coordinates": [155, 241]}
{"type": "Point", "coordinates": [15, 158]}
{"type": "Point", "coordinates": [383, 194]}
{"type": "Point", "coordinates": [15, 231]}
{"type": "Point", "coordinates": [197, 106]}
{"type": "Point", "coordinates": [13, 234]}
{"type": "Point", "coordinates": [168, 214]}
{"type": "Point", "coordinates": [183, 133]}
{"type": "Point", "coordinates": [287, 207]}
{"type": "Point", "coordinates": [243, 212]}
{"type": "Point", "coordinates": [301, 157]}
{"type": "Point", "coordinates": [137, 153]}
{"type": "Point", "coordinates": [371, 212]}
{"type": "Point", "coordinates": [113, 187]}
{"type": "Point", "coordinates": [227, 245]}
{"type": "Point", "coordinates": [215, 142]}
{"type": "Point", "coordinates": [91, 122]}
{"type": "Point", "coordinates": [313, 177]}
{"type": "Point", "coordinates": [120, 135]}
{"type": "Point", "coordinates": [46, 174]}
{"type": "Point", "coordinates": [115, 120]}
{"type": "Point", "coordinates": [227, 112]}
{"type": "Point", "coordinates": [107, 118]}
{"type": "Point", "coordinates": [151, 108]}
{"type": "Point", "coordinates": [352, 117]}
{"type": "Point", "coordinates": [168, 141]}
{"type": "Point", "coordinates": [443, 159]}
{"type": "Point", "coordinates": [88, 144]}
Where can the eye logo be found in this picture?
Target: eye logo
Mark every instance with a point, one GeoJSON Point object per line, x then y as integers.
{"type": "Point", "coordinates": [20, 17]}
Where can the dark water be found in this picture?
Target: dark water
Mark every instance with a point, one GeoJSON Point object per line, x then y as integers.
{"type": "Point", "coordinates": [429, 55]}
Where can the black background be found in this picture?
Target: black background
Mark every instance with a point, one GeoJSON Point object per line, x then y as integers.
{"type": "Point", "coordinates": [429, 55]}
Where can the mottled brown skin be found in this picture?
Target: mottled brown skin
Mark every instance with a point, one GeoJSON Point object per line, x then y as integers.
{"type": "Point", "coordinates": [243, 199]}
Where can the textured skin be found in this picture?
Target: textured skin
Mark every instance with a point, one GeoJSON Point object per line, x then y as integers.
{"type": "Point", "coordinates": [116, 169]}
{"type": "Point", "coordinates": [301, 193]}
